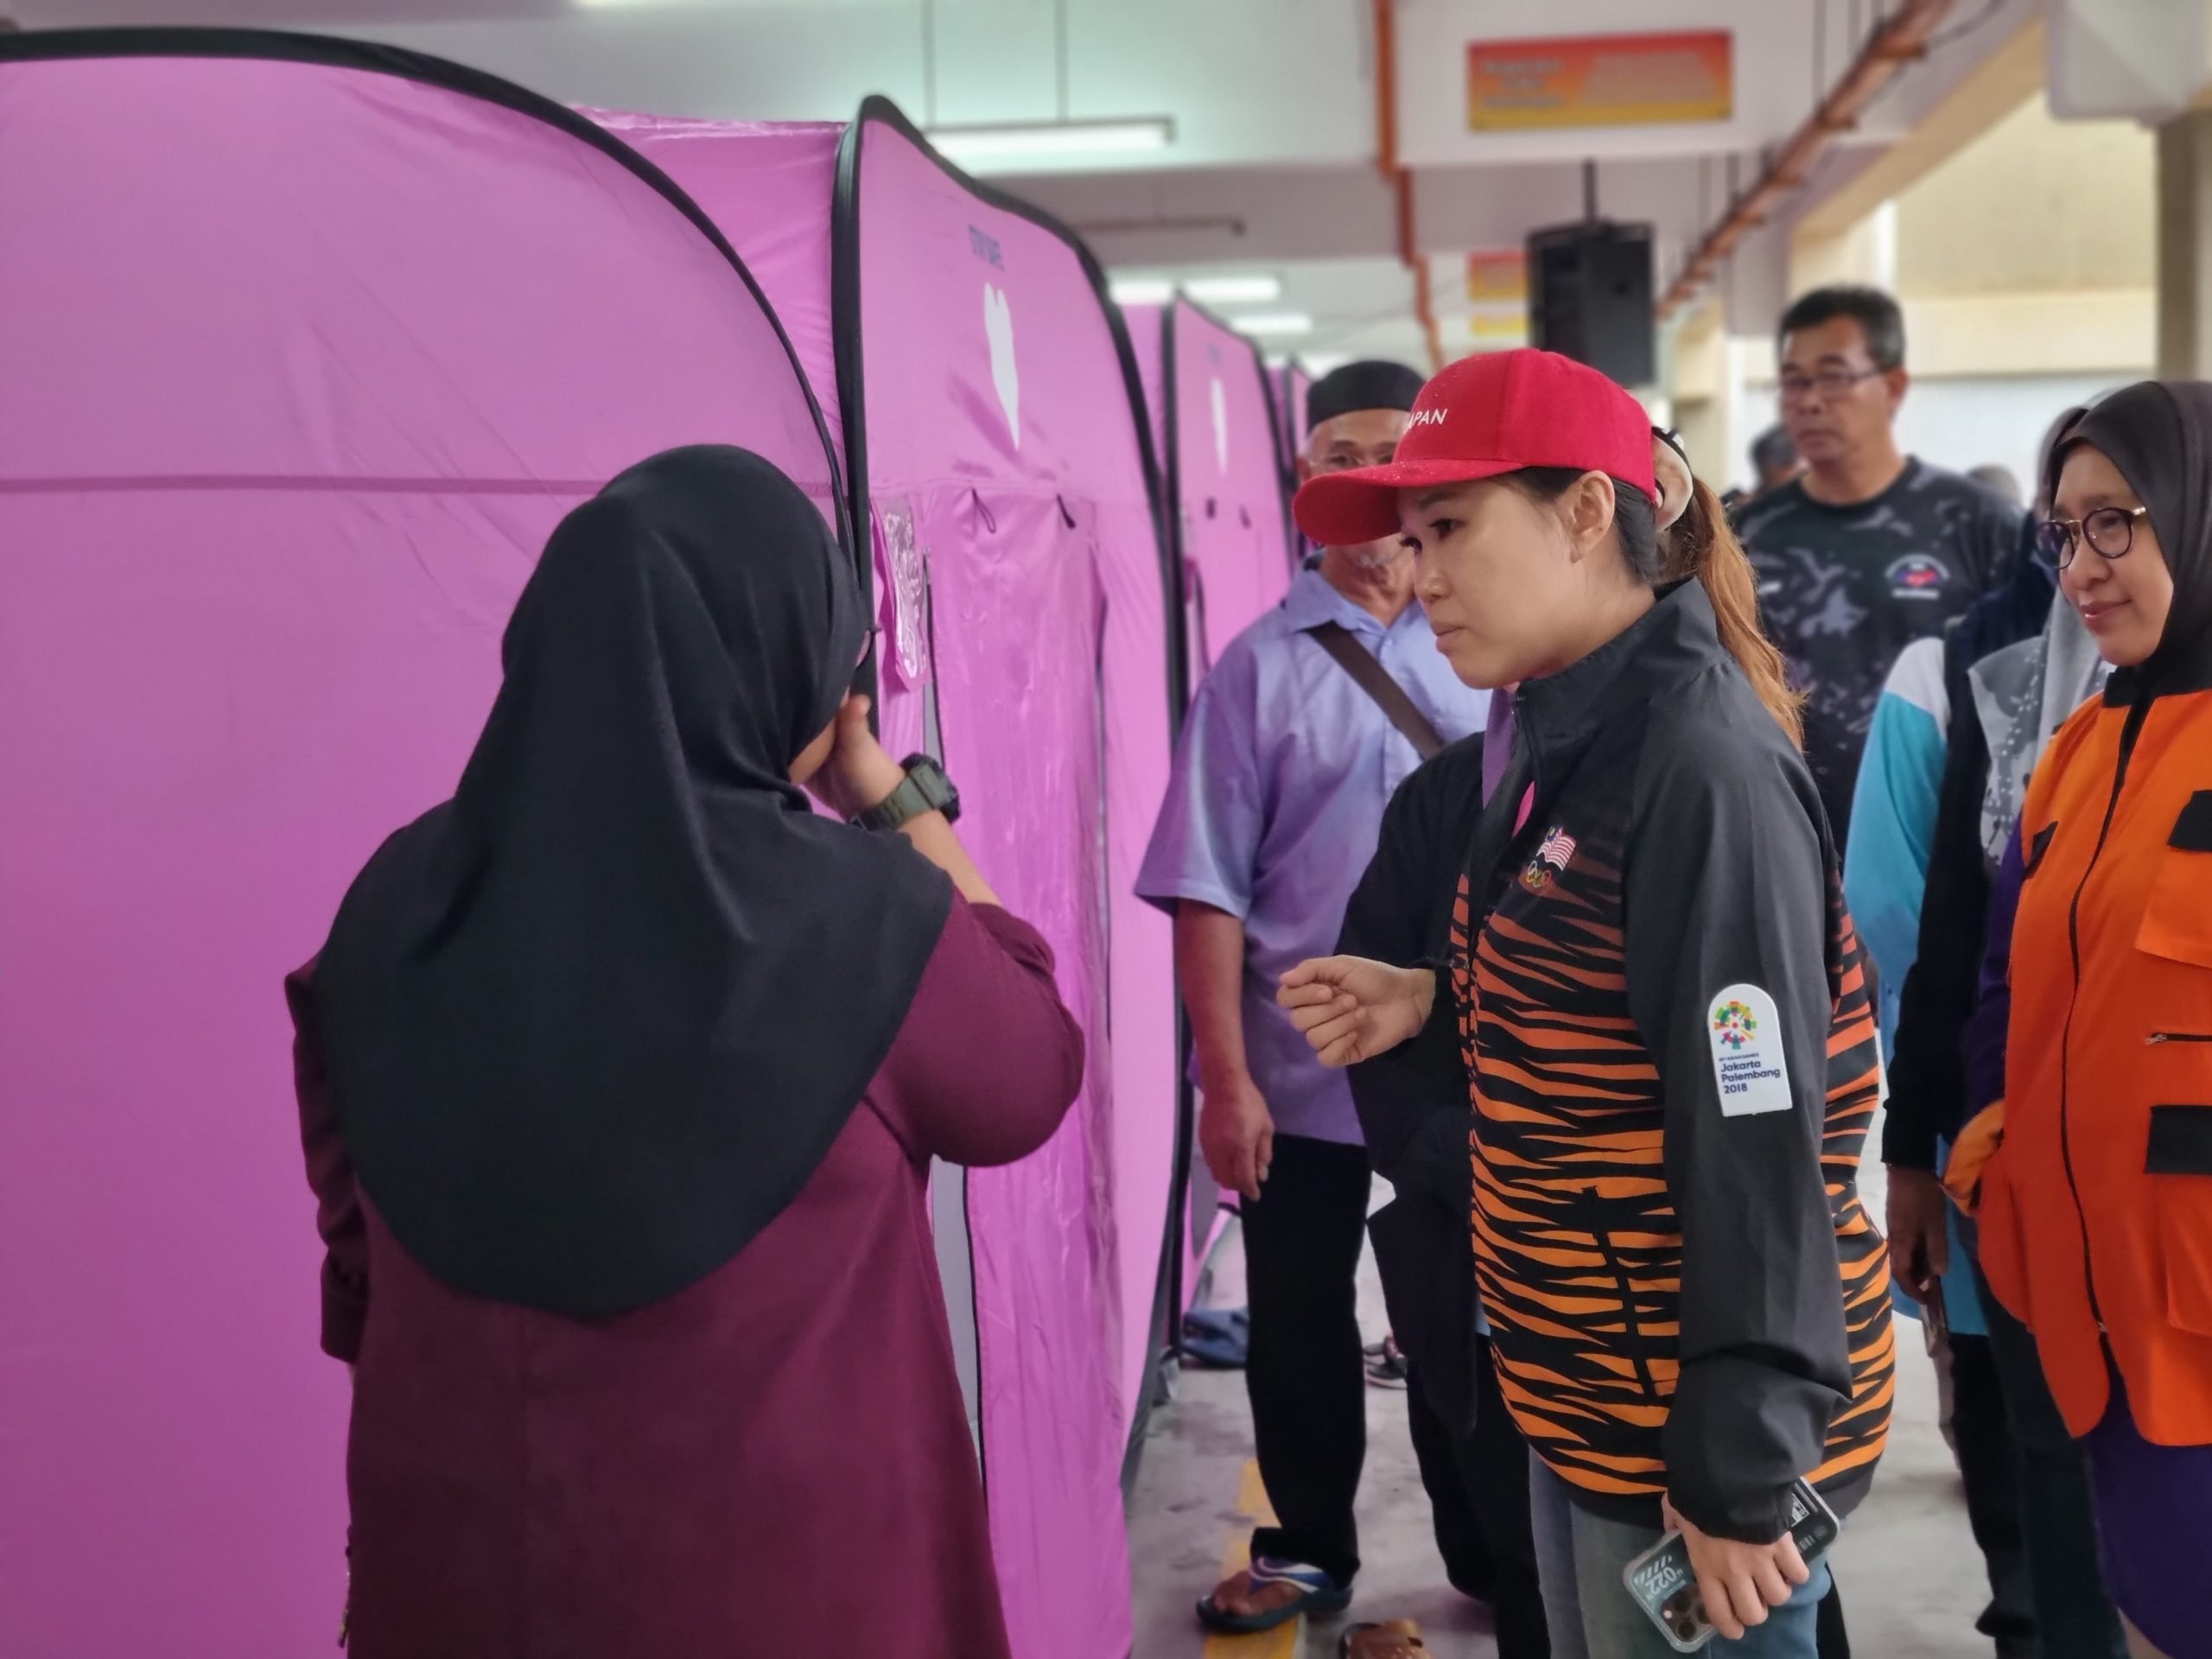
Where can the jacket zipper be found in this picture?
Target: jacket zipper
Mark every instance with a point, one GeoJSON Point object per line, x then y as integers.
{"type": "Point", "coordinates": [2158, 1037]}
{"type": "Point", "coordinates": [2129, 732]}
{"type": "Point", "coordinates": [1629, 1329]}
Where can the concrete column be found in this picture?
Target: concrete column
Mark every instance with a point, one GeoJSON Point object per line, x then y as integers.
{"type": "Point", "coordinates": [1866, 251]}
{"type": "Point", "coordinates": [2185, 246]}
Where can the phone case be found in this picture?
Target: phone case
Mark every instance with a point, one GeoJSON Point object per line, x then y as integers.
{"type": "Point", "coordinates": [1660, 1582]}
{"type": "Point", "coordinates": [1937, 1315]}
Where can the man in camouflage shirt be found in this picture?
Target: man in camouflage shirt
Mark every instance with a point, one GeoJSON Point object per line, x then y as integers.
{"type": "Point", "coordinates": [1869, 549]}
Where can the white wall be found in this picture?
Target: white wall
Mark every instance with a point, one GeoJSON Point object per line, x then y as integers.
{"type": "Point", "coordinates": [1966, 423]}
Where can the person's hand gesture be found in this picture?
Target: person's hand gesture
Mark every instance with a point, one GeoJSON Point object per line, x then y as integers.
{"type": "Point", "coordinates": [1237, 1133]}
{"type": "Point", "coordinates": [1919, 1238]}
{"type": "Point", "coordinates": [860, 773]}
{"type": "Point", "coordinates": [1739, 1581]}
{"type": "Point", "coordinates": [1352, 1009]}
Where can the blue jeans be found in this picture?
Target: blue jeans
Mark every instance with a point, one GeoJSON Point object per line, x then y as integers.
{"type": "Point", "coordinates": [1581, 1556]}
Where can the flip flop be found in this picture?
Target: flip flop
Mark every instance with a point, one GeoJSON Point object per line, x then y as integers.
{"type": "Point", "coordinates": [1318, 1593]}
{"type": "Point", "coordinates": [1404, 1630]}
{"type": "Point", "coordinates": [1388, 1369]}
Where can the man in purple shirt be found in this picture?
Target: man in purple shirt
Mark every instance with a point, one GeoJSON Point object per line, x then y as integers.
{"type": "Point", "coordinates": [1285, 766]}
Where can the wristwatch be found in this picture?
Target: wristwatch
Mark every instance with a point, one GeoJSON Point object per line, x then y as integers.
{"type": "Point", "coordinates": [926, 789]}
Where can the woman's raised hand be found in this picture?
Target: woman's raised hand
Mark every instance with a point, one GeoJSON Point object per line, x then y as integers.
{"type": "Point", "coordinates": [860, 773]}
{"type": "Point", "coordinates": [1352, 1009]}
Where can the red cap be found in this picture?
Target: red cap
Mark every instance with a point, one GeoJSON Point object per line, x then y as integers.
{"type": "Point", "coordinates": [1483, 416]}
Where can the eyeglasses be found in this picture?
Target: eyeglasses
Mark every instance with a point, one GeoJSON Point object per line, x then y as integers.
{"type": "Point", "coordinates": [1336, 461]}
{"type": "Point", "coordinates": [1829, 383]}
{"type": "Point", "coordinates": [2110, 532]}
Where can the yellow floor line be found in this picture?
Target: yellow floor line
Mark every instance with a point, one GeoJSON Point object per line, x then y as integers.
{"type": "Point", "coordinates": [1252, 1496]}
{"type": "Point", "coordinates": [1252, 1510]}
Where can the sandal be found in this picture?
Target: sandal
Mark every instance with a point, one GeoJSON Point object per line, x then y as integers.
{"type": "Point", "coordinates": [1387, 1371]}
{"type": "Point", "coordinates": [1318, 1593]}
{"type": "Point", "coordinates": [1396, 1640]}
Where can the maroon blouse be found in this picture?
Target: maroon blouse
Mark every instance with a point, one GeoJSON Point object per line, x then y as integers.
{"type": "Point", "coordinates": [775, 1461]}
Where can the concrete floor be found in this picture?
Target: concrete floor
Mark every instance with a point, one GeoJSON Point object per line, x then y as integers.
{"type": "Point", "coordinates": [1912, 1580]}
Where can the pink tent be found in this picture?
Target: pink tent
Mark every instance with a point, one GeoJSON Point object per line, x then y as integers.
{"type": "Point", "coordinates": [408, 316]}
{"type": "Point", "coordinates": [1292, 384]}
{"type": "Point", "coordinates": [1290, 399]}
{"type": "Point", "coordinates": [1146, 324]}
{"type": "Point", "coordinates": [999, 449]}
{"type": "Point", "coordinates": [1213, 403]}
{"type": "Point", "coordinates": [996, 455]}
{"type": "Point", "coordinates": [1223, 481]}
{"type": "Point", "coordinates": [767, 187]}
{"type": "Point", "coordinates": [306, 347]}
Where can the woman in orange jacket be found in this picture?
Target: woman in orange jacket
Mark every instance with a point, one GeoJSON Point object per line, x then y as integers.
{"type": "Point", "coordinates": [2097, 1206]}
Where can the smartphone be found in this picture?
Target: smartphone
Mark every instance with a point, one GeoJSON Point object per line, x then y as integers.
{"type": "Point", "coordinates": [1937, 1315]}
{"type": "Point", "coordinates": [1660, 1582]}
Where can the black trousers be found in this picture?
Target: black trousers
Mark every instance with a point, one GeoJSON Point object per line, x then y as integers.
{"type": "Point", "coordinates": [1479, 1500]}
{"type": "Point", "coordinates": [1988, 1466]}
{"type": "Point", "coordinates": [2074, 1615]}
{"type": "Point", "coordinates": [1303, 1368]}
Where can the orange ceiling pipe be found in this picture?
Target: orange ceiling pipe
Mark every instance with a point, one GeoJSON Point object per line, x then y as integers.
{"type": "Point", "coordinates": [1902, 40]}
{"type": "Point", "coordinates": [1402, 181]}
{"type": "Point", "coordinates": [1386, 88]}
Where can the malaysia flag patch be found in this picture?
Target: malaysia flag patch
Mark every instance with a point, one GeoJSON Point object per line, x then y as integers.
{"type": "Point", "coordinates": [1552, 856]}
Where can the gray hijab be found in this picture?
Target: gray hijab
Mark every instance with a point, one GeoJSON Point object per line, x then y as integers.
{"type": "Point", "coordinates": [2023, 695]}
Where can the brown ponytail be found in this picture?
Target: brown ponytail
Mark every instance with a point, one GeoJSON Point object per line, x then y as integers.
{"type": "Point", "coordinates": [1698, 545]}
{"type": "Point", "coordinates": [1701, 544]}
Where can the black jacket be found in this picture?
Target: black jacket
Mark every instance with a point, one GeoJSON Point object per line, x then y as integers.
{"type": "Point", "coordinates": [1413, 1107]}
{"type": "Point", "coordinates": [1928, 1075]}
{"type": "Point", "coordinates": [1667, 1015]}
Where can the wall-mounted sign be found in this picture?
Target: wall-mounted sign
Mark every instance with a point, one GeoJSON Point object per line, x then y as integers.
{"type": "Point", "coordinates": [1600, 80]}
{"type": "Point", "coordinates": [1498, 277]}
{"type": "Point", "coordinates": [1497, 330]}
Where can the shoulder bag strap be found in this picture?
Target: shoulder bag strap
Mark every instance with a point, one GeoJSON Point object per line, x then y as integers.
{"type": "Point", "coordinates": [1374, 679]}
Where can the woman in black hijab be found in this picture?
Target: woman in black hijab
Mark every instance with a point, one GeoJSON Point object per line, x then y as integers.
{"type": "Point", "coordinates": [2092, 1172]}
{"type": "Point", "coordinates": [619, 1079]}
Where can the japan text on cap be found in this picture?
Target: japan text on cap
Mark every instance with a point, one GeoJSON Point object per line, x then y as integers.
{"type": "Point", "coordinates": [1484, 415]}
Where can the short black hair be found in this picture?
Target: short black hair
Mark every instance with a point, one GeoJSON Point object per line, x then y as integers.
{"type": "Point", "coordinates": [1773, 451]}
{"type": "Point", "coordinates": [1878, 315]}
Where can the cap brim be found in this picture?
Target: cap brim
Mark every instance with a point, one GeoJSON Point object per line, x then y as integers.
{"type": "Point", "coordinates": [1346, 508]}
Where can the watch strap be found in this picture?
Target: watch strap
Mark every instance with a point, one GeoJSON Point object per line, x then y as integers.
{"type": "Point", "coordinates": [925, 789]}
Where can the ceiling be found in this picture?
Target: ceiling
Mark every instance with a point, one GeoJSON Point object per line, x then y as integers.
{"type": "Point", "coordinates": [1272, 169]}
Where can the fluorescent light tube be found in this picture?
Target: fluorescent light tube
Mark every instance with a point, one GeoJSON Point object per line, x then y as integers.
{"type": "Point", "coordinates": [1005, 142]}
{"type": "Point", "coordinates": [1141, 290]}
{"type": "Point", "coordinates": [1271, 323]}
{"type": "Point", "coordinates": [1260, 289]}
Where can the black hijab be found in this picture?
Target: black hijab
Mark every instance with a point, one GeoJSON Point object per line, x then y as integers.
{"type": "Point", "coordinates": [592, 1023]}
{"type": "Point", "coordinates": [2158, 434]}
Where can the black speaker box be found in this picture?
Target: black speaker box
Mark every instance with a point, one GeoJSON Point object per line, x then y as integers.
{"type": "Point", "coordinates": [1590, 297]}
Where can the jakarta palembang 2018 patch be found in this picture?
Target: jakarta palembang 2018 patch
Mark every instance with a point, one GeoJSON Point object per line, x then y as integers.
{"type": "Point", "coordinates": [1745, 1032]}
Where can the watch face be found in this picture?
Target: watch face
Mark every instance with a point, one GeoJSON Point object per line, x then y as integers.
{"type": "Point", "coordinates": [936, 788]}
{"type": "Point", "coordinates": [926, 789]}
